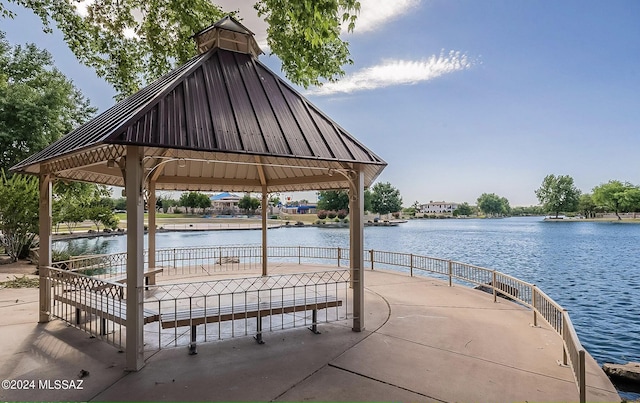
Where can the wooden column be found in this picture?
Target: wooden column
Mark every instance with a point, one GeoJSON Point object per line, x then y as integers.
{"type": "Point", "coordinates": [264, 230]}
{"type": "Point", "coordinates": [152, 223]}
{"type": "Point", "coordinates": [356, 245]}
{"type": "Point", "coordinates": [44, 260]}
{"type": "Point", "coordinates": [135, 262]}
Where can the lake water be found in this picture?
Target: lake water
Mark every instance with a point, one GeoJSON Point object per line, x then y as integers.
{"type": "Point", "coordinates": [591, 269]}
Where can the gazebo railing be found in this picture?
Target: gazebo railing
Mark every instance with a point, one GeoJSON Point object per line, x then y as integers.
{"type": "Point", "coordinates": [177, 261]}
{"type": "Point", "coordinates": [239, 297]}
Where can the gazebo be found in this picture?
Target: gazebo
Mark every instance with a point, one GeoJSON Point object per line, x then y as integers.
{"type": "Point", "coordinates": [221, 122]}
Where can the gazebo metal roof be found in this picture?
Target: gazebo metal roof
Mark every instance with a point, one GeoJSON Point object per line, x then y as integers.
{"type": "Point", "coordinates": [222, 121]}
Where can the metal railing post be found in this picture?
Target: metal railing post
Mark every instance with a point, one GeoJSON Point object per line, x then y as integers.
{"type": "Point", "coordinates": [299, 254]}
{"type": "Point", "coordinates": [450, 263]}
{"type": "Point", "coordinates": [371, 258]}
{"type": "Point", "coordinates": [563, 329]}
{"type": "Point", "coordinates": [533, 304]}
{"type": "Point", "coordinates": [582, 377]}
{"type": "Point", "coordinates": [411, 264]}
{"type": "Point", "coordinates": [339, 256]}
{"type": "Point", "coordinates": [493, 285]}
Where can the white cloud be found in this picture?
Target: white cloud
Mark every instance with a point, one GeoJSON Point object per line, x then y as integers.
{"type": "Point", "coordinates": [397, 72]}
{"type": "Point", "coordinates": [375, 13]}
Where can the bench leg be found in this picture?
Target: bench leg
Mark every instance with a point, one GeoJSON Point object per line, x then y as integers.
{"type": "Point", "coordinates": [258, 335]}
{"type": "Point", "coordinates": [103, 326]}
{"type": "Point", "coordinates": [77, 316]}
{"type": "Point", "coordinates": [193, 348]}
{"type": "Point", "coordinates": [314, 319]}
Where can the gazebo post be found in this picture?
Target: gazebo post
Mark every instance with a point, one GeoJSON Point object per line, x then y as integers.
{"type": "Point", "coordinates": [44, 258]}
{"type": "Point", "coordinates": [135, 262]}
{"type": "Point", "coordinates": [356, 230]}
{"type": "Point", "coordinates": [151, 203]}
{"type": "Point", "coordinates": [264, 230]}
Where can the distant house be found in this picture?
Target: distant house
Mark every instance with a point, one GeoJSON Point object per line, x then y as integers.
{"type": "Point", "coordinates": [301, 209]}
{"type": "Point", "coordinates": [225, 203]}
{"type": "Point", "coordinates": [438, 207]}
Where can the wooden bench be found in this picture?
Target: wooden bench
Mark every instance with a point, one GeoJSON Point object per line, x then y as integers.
{"type": "Point", "coordinates": [104, 307]}
{"type": "Point", "coordinates": [149, 279]}
{"type": "Point", "coordinates": [199, 316]}
{"type": "Point", "coordinates": [149, 276]}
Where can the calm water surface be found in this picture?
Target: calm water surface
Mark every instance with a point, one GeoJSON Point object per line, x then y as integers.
{"type": "Point", "coordinates": [591, 269]}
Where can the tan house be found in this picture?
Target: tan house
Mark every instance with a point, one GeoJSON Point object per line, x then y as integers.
{"type": "Point", "coordinates": [225, 203]}
{"type": "Point", "coordinates": [438, 207]}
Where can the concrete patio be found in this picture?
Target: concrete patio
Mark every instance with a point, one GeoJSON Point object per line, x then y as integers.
{"type": "Point", "coordinates": [424, 341]}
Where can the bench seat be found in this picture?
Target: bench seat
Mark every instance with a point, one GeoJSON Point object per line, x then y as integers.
{"type": "Point", "coordinates": [199, 316]}
{"type": "Point", "coordinates": [149, 276]}
{"type": "Point", "coordinates": [106, 308]}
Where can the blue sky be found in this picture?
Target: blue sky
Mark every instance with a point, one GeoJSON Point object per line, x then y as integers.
{"type": "Point", "coordinates": [463, 97]}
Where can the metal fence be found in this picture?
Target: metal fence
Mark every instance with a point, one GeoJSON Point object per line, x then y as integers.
{"type": "Point", "coordinates": [238, 292]}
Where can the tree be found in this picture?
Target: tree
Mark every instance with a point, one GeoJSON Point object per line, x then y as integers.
{"type": "Point", "coordinates": [385, 198]}
{"type": "Point", "coordinates": [333, 200]}
{"type": "Point", "coordinates": [249, 204]}
{"type": "Point", "coordinates": [121, 203]}
{"type": "Point", "coordinates": [493, 205]}
{"type": "Point", "coordinates": [617, 196]}
{"type": "Point", "coordinates": [102, 215]}
{"type": "Point", "coordinates": [463, 209]}
{"type": "Point", "coordinates": [133, 42]}
{"type": "Point", "coordinates": [632, 199]}
{"type": "Point", "coordinates": [367, 200]}
{"type": "Point", "coordinates": [168, 203]}
{"type": "Point", "coordinates": [195, 200]}
{"type": "Point", "coordinates": [38, 104]}
{"type": "Point", "coordinates": [558, 193]}
{"type": "Point", "coordinates": [75, 202]}
{"type": "Point", "coordinates": [18, 213]}
{"type": "Point", "coordinates": [586, 205]}
{"type": "Point", "coordinates": [527, 210]}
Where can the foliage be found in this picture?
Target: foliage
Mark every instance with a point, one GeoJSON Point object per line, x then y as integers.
{"type": "Point", "coordinates": [194, 200]}
{"type": "Point", "coordinates": [102, 215]}
{"type": "Point", "coordinates": [342, 214]}
{"type": "Point", "coordinates": [132, 42]}
{"type": "Point", "coordinates": [463, 209]}
{"type": "Point", "coordinates": [586, 205]}
{"type": "Point", "coordinates": [38, 104]}
{"type": "Point", "coordinates": [527, 210]}
{"type": "Point", "coordinates": [274, 201]}
{"type": "Point", "coordinates": [558, 193]}
{"type": "Point", "coordinates": [21, 282]}
{"type": "Point", "coordinates": [409, 211]}
{"type": "Point", "coordinates": [120, 203]}
{"type": "Point", "coordinates": [333, 200]}
{"type": "Point", "coordinates": [73, 203]}
{"type": "Point", "coordinates": [19, 196]}
{"type": "Point", "coordinates": [331, 214]}
{"type": "Point", "coordinates": [167, 203]}
{"type": "Point", "coordinates": [249, 204]}
{"type": "Point", "coordinates": [322, 214]}
{"type": "Point", "coordinates": [617, 196]}
{"type": "Point", "coordinates": [306, 36]}
{"type": "Point", "coordinates": [493, 205]}
{"type": "Point", "coordinates": [385, 198]}
{"type": "Point", "coordinates": [368, 196]}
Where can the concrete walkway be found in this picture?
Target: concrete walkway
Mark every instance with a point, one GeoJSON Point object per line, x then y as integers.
{"type": "Point", "coordinates": [424, 341]}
